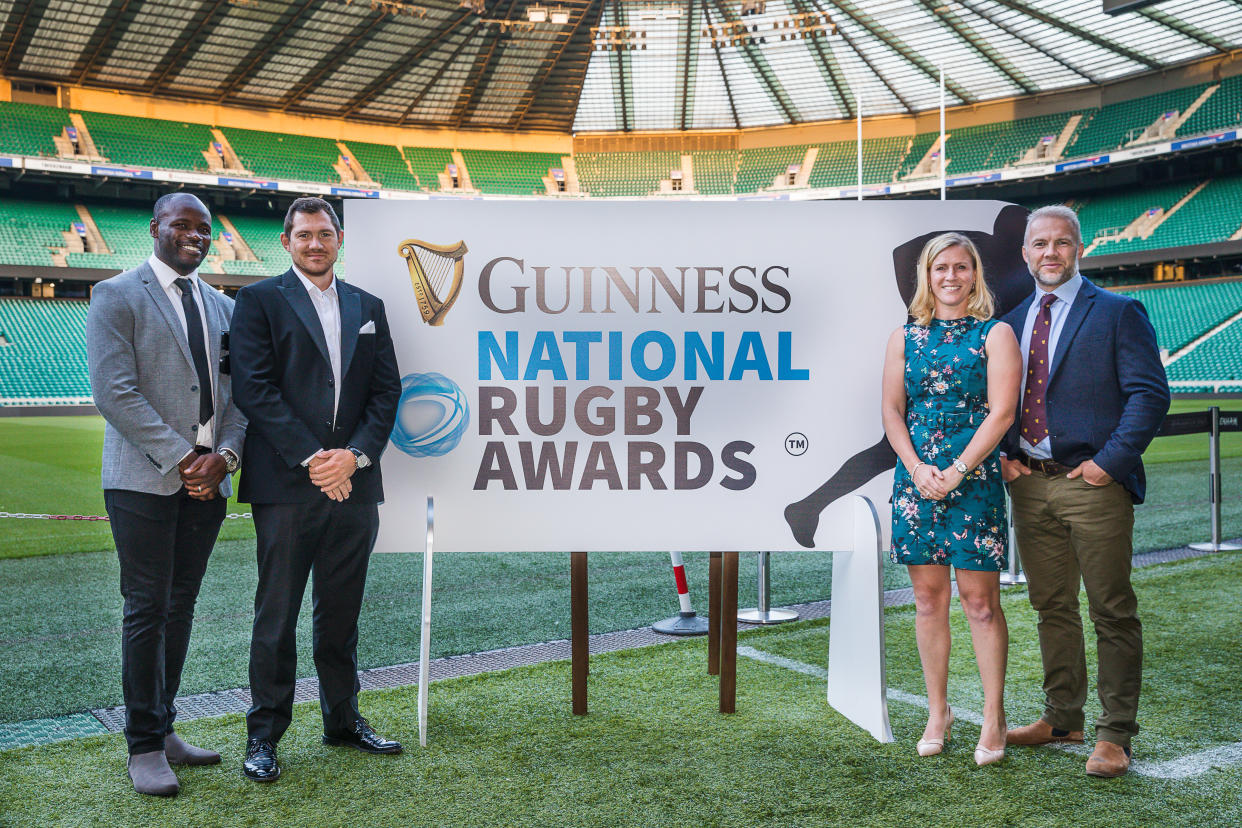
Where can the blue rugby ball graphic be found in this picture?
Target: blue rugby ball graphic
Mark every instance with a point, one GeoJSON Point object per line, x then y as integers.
{"type": "Point", "coordinates": [431, 417]}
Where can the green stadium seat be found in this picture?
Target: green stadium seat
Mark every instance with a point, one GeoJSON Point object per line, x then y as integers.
{"type": "Point", "coordinates": [44, 360]}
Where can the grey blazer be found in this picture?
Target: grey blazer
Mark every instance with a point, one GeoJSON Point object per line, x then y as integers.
{"type": "Point", "coordinates": [145, 385]}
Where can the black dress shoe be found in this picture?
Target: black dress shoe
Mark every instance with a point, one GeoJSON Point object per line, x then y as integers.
{"type": "Point", "coordinates": [362, 737]}
{"type": "Point", "coordinates": [260, 764]}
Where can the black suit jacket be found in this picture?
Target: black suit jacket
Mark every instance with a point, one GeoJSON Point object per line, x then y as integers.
{"type": "Point", "coordinates": [1107, 391]}
{"type": "Point", "coordinates": [282, 380]}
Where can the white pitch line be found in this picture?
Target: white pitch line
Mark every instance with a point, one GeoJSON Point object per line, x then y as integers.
{"type": "Point", "coordinates": [1183, 767]}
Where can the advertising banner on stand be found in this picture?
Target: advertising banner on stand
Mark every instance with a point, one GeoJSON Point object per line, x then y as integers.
{"type": "Point", "coordinates": [630, 376]}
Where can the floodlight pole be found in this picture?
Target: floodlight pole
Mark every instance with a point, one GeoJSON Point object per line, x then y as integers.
{"type": "Point", "coordinates": [942, 148]}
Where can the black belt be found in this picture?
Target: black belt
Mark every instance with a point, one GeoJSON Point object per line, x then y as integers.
{"type": "Point", "coordinates": [1045, 466]}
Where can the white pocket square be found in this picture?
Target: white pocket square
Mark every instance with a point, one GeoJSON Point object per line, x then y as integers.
{"type": "Point", "coordinates": [368, 328]}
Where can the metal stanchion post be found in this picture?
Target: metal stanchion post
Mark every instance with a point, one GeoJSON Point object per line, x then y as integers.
{"type": "Point", "coordinates": [764, 614]}
{"type": "Point", "coordinates": [1014, 575]}
{"type": "Point", "coordinates": [1215, 544]}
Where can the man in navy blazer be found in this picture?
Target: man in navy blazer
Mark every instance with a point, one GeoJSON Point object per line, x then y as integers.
{"type": "Point", "coordinates": [315, 370]}
{"type": "Point", "coordinates": [1094, 394]}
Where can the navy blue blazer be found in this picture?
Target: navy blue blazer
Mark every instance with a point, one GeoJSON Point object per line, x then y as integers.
{"type": "Point", "coordinates": [282, 378]}
{"type": "Point", "coordinates": [1107, 391]}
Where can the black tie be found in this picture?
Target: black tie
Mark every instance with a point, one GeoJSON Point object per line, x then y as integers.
{"type": "Point", "coordinates": [194, 332]}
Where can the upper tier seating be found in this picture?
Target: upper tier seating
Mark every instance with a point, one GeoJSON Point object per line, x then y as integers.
{"type": "Point", "coordinates": [758, 167]}
{"type": "Point", "coordinates": [714, 171]}
{"type": "Point", "coordinates": [1222, 110]}
{"type": "Point", "coordinates": [44, 359]}
{"type": "Point", "coordinates": [149, 142]}
{"type": "Point", "coordinates": [625, 173]}
{"type": "Point", "coordinates": [997, 145]}
{"type": "Point", "coordinates": [509, 173]}
{"type": "Point", "coordinates": [288, 157]}
{"type": "Point", "coordinates": [28, 129]}
{"type": "Point", "coordinates": [384, 164]}
{"type": "Point", "coordinates": [1112, 126]}
{"type": "Point", "coordinates": [428, 163]}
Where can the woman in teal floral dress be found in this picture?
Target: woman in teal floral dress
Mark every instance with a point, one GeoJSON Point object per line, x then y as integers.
{"type": "Point", "coordinates": [950, 391]}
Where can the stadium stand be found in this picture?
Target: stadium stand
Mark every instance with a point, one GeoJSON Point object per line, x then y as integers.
{"type": "Point", "coordinates": [149, 142]}
{"type": "Point", "coordinates": [1214, 214]}
{"type": "Point", "coordinates": [288, 157]}
{"type": "Point", "coordinates": [1103, 217]}
{"type": "Point", "coordinates": [28, 129]}
{"type": "Point", "coordinates": [715, 171]}
{"type": "Point", "coordinates": [1002, 144]}
{"type": "Point", "coordinates": [427, 163]}
{"type": "Point", "coordinates": [758, 167]}
{"type": "Point", "coordinates": [126, 232]}
{"type": "Point", "coordinates": [30, 230]}
{"type": "Point", "coordinates": [509, 173]}
{"type": "Point", "coordinates": [384, 164]}
{"type": "Point", "coordinates": [918, 148]}
{"type": "Point", "coordinates": [1223, 109]}
{"type": "Point", "coordinates": [1183, 313]}
{"type": "Point", "coordinates": [263, 237]}
{"type": "Point", "coordinates": [625, 173]}
{"type": "Point", "coordinates": [43, 358]}
{"type": "Point", "coordinates": [1114, 125]}
{"type": "Point", "coordinates": [1215, 360]}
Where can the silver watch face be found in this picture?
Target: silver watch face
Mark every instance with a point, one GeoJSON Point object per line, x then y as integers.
{"type": "Point", "coordinates": [960, 466]}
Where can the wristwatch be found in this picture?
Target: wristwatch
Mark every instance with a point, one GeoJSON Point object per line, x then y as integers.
{"type": "Point", "coordinates": [360, 459]}
{"type": "Point", "coordinates": [230, 460]}
{"type": "Point", "coordinates": [960, 466]}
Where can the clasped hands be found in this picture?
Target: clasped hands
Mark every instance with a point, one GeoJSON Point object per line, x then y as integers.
{"type": "Point", "coordinates": [330, 470]}
{"type": "Point", "coordinates": [201, 474]}
{"type": "Point", "coordinates": [934, 483]}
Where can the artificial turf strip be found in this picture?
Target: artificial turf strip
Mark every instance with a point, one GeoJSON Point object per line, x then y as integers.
{"type": "Point", "coordinates": [504, 749]}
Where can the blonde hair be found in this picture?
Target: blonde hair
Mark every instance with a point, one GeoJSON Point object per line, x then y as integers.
{"type": "Point", "coordinates": [923, 306]}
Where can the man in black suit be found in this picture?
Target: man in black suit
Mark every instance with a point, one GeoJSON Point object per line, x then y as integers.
{"type": "Point", "coordinates": [315, 371]}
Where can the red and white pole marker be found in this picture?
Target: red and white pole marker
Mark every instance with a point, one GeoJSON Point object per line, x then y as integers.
{"type": "Point", "coordinates": [686, 622]}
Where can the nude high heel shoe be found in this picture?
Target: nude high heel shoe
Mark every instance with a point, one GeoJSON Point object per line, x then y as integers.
{"type": "Point", "coordinates": [931, 747]}
{"type": "Point", "coordinates": [986, 756]}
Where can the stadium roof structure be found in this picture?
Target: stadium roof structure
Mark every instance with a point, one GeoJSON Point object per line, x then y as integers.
{"type": "Point", "coordinates": [606, 65]}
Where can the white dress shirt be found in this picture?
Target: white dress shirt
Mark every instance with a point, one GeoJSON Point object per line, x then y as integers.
{"type": "Point", "coordinates": [166, 276]}
{"type": "Point", "coordinates": [1065, 294]}
{"type": "Point", "coordinates": [328, 307]}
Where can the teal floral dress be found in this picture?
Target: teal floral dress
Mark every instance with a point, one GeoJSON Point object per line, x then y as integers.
{"type": "Point", "coordinates": [946, 400]}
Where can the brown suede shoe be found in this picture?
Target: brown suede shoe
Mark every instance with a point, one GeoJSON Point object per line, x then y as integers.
{"type": "Point", "coordinates": [181, 752]}
{"type": "Point", "coordinates": [1108, 760]}
{"type": "Point", "coordinates": [1041, 733]}
{"type": "Point", "coordinates": [151, 775]}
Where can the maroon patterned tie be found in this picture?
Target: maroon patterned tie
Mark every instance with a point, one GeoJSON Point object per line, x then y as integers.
{"type": "Point", "coordinates": [1034, 406]}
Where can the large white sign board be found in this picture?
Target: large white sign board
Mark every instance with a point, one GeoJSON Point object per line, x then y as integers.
{"type": "Point", "coordinates": [627, 376]}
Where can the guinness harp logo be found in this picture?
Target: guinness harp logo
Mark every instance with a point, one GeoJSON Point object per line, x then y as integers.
{"type": "Point", "coordinates": [435, 271]}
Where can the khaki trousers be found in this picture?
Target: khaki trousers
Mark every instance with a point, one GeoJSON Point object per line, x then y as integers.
{"type": "Point", "coordinates": [1069, 530]}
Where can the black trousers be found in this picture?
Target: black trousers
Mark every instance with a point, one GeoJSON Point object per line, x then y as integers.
{"type": "Point", "coordinates": [163, 542]}
{"type": "Point", "coordinates": [333, 541]}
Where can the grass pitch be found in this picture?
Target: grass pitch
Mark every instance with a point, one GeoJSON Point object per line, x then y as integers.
{"type": "Point", "coordinates": [504, 749]}
{"type": "Point", "coordinates": [63, 612]}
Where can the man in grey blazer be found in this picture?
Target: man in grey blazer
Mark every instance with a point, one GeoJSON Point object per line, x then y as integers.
{"type": "Point", "coordinates": [171, 440]}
